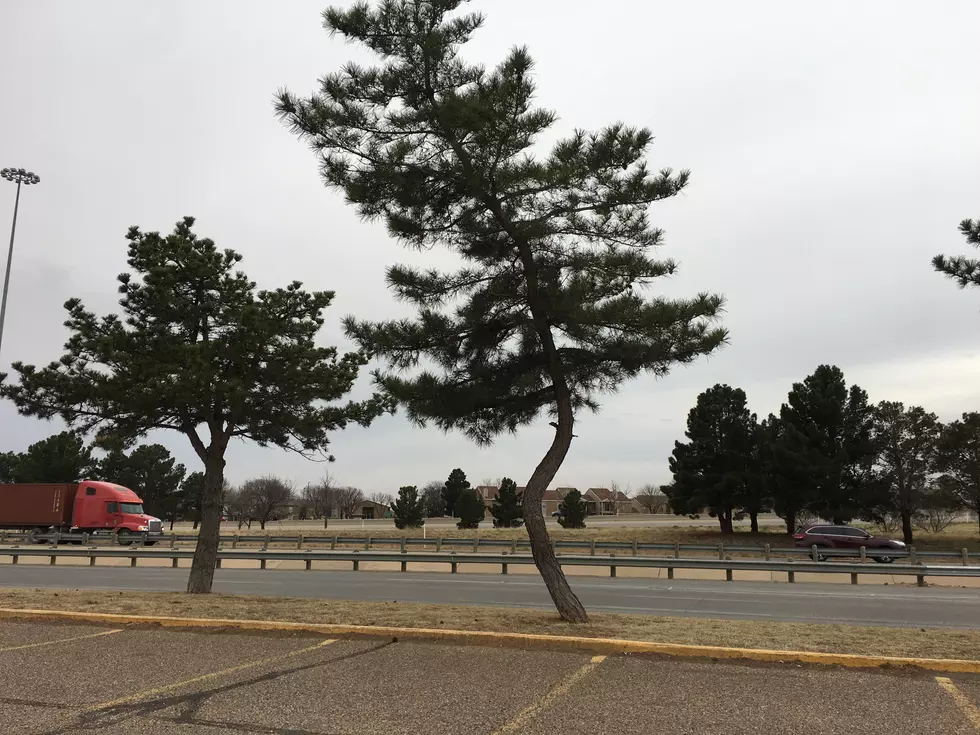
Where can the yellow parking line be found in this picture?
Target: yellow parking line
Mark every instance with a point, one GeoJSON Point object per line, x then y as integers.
{"type": "Point", "coordinates": [60, 640]}
{"type": "Point", "coordinates": [967, 707]}
{"type": "Point", "coordinates": [205, 677]}
{"type": "Point", "coordinates": [561, 689]}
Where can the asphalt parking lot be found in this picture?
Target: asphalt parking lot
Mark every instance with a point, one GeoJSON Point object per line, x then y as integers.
{"type": "Point", "coordinates": [77, 678]}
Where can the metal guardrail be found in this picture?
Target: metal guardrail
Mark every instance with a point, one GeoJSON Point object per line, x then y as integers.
{"type": "Point", "coordinates": [476, 544]}
{"type": "Point", "coordinates": [789, 566]}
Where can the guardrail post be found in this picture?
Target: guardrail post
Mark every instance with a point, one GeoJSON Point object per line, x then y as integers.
{"type": "Point", "coordinates": [920, 580]}
{"type": "Point", "coordinates": [53, 557]}
{"type": "Point", "coordinates": [174, 565]}
{"type": "Point", "coordinates": [173, 540]}
{"type": "Point", "coordinates": [612, 566]}
{"type": "Point", "coordinates": [912, 557]}
{"type": "Point", "coordinates": [403, 544]}
{"type": "Point", "coordinates": [234, 541]}
{"type": "Point", "coordinates": [299, 543]}
{"type": "Point", "coordinates": [864, 557]}
{"type": "Point", "coordinates": [790, 577]}
{"type": "Point", "coordinates": [634, 547]}
{"type": "Point", "coordinates": [333, 543]}
{"type": "Point", "coordinates": [91, 560]}
{"type": "Point", "coordinates": [503, 568]}
{"type": "Point", "coordinates": [476, 544]}
{"type": "Point", "coordinates": [265, 545]}
{"type": "Point", "coordinates": [768, 552]}
{"type": "Point", "coordinates": [404, 566]}
{"type": "Point", "coordinates": [309, 564]}
{"type": "Point", "coordinates": [367, 543]}
{"type": "Point", "coordinates": [439, 544]}
{"type": "Point", "coordinates": [132, 561]}
{"type": "Point", "coordinates": [592, 547]}
{"type": "Point", "coordinates": [217, 563]}
{"type": "Point", "coordinates": [84, 539]}
{"type": "Point", "coordinates": [677, 550]}
{"type": "Point", "coordinates": [729, 575]}
{"type": "Point", "coordinates": [3, 536]}
{"type": "Point", "coordinates": [13, 558]}
{"type": "Point", "coordinates": [453, 565]}
{"type": "Point", "coordinates": [513, 546]}
{"type": "Point", "coordinates": [357, 565]}
{"type": "Point", "coordinates": [813, 553]}
{"type": "Point", "coordinates": [721, 551]}
{"type": "Point", "coordinates": [261, 563]}
{"type": "Point", "coordinates": [965, 553]}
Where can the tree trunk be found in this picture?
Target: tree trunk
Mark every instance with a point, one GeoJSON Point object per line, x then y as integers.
{"type": "Point", "coordinates": [725, 521]}
{"type": "Point", "coordinates": [754, 521]}
{"type": "Point", "coordinates": [261, 525]}
{"type": "Point", "coordinates": [206, 552]}
{"type": "Point", "coordinates": [566, 602]}
{"type": "Point", "coordinates": [790, 517]}
{"type": "Point", "coordinates": [907, 525]}
{"type": "Point", "coordinates": [171, 524]}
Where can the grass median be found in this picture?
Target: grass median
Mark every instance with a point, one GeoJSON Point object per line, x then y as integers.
{"type": "Point", "coordinates": [864, 640]}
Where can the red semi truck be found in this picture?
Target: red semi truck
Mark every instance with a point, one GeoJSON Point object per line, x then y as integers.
{"type": "Point", "coordinates": [85, 507]}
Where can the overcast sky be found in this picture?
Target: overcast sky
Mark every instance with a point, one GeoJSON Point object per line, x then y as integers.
{"type": "Point", "coordinates": [834, 147]}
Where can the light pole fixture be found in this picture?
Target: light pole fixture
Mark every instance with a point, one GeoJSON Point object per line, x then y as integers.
{"type": "Point", "coordinates": [18, 176]}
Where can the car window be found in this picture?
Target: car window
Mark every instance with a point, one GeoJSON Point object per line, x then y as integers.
{"type": "Point", "coordinates": [819, 530]}
{"type": "Point", "coordinates": [845, 531]}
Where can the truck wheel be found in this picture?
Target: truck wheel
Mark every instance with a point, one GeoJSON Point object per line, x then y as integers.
{"type": "Point", "coordinates": [32, 536]}
{"type": "Point", "coordinates": [124, 537]}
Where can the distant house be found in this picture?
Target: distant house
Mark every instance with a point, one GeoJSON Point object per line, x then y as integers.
{"type": "Point", "coordinates": [487, 492]}
{"type": "Point", "coordinates": [609, 502]}
{"type": "Point", "coordinates": [369, 509]}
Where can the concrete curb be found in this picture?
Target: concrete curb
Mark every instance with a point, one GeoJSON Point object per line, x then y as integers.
{"type": "Point", "coordinates": [511, 640]}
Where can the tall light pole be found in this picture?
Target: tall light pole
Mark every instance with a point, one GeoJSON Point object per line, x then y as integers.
{"type": "Point", "coordinates": [18, 176]}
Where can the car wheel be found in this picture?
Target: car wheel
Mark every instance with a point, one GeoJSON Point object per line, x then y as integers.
{"type": "Point", "coordinates": [884, 559]}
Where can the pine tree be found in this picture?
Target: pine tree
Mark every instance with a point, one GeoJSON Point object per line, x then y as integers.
{"type": "Point", "coordinates": [547, 312]}
{"type": "Point", "coordinates": [827, 451]}
{"type": "Point", "coordinates": [470, 509]}
{"type": "Point", "coordinates": [453, 488]}
{"type": "Point", "coordinates": [965, 271]}
{"type": "Point", "coordinates": [408, 509]}
{"type": "Point", "coordinates": [198, 350]}
{"type": "Point", "coordinates": [506, 508]}
{"type": "Point", "coordinates": [59, 458]}
{"type": "Point", "coordinates": [716, 468]}
{"type": "Point", "coordinates": [152, 473]}
{"type": "Point", "coordinates": [572, 510]}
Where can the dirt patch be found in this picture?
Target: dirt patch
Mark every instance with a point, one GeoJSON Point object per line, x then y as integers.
{"type": "Point", "coordinates": [909, 642]}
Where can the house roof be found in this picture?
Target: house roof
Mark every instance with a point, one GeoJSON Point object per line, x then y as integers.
{"type": "Point", "coordinates": [488, 492]}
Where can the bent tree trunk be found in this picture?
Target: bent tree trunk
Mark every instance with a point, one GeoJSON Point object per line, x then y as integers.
{"type": "Point", "coordinates": [206, 553]}
{"type": "Point", "coordinates": [566, 602]}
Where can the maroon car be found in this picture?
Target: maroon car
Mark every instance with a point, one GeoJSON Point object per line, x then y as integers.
{"type": "Point", "coordinates": [846, 538]}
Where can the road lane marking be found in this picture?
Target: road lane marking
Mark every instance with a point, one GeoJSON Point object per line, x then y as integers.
{"type": "Point", "coordinates": [205, 677]}
{"type": "Point", "coordinates": [60, 640]}
{"type": "Point", "coordinates": [561, 689]}
{"type": "Point", "coordinates": [968, 708]}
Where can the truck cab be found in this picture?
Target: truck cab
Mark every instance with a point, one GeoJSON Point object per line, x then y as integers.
{"type": "Point", "coordinates": [105, 505]}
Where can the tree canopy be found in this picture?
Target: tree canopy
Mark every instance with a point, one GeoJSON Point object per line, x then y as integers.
{"type": "Point", "coordinates": [958, 459]}
{"type": "Point", "coordinates": [408, 508]}
{"type": "Point", "coordinates": [455, 485]}
{"type": "Point", "coordinates": [62, 457]}
{"type": "Point", "coordinates": [547, 311]}
{"type": "Point", "coordinates": [506, 508]}
{"type": "Point", "coordinates": [470, 508]}
{"type": "Point", "coordinates": [200, 351]}
{"type": "Point", "coordinates": [572, 510]}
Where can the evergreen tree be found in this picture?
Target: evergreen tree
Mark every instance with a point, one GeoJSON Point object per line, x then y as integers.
{"type": "Point", "coordinates": [8, 466]}
{"type": "Point", "coordinates": [572, 510]}
{"type": "Point", "coordinates": [965, 271]}
{"type": "Point", "coordinates": [59, 458]}
{"type": "Point", "coordinates": [908, 441]}
{"type": "Point", "coordinates": [716, 468]}
{"type": "Point", "coordinates": [200, 352]}
{"type": "Point", "coordinates": [547, 312]}
{"type": "Point", "coordinates": [506, 508]}
{"type": "Point", "coordinates": [959, 460]}
{"type": "Point", "coordinates": [408, 509]}
{"type": "Point", "coordinates": [453, 488]}
{"type": "Point", "coordinates": [827, 450]}
{"type": "Point", "coordinates": [192, 497]}
{"type": "Point", "coordinates": [470, 509]}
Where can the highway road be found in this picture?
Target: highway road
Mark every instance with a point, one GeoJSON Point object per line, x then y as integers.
{"type": "Point", "coordinates": [808, 603]}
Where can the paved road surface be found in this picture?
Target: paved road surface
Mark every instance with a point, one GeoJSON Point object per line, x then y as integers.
{"type": "Point", "coordinates": [859, 605]}
{"type": "Point", "coordinates": [61, 679]}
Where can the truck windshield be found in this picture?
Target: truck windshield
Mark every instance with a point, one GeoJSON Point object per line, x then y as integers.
{"type": "Point", "coordinates": [134, 508]}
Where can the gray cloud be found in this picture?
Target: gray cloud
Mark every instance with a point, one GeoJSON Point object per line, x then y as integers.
{"type": "Point", "coordinates": [833, 149]}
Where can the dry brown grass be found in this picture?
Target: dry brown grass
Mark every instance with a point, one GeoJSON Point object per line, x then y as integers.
{"type": "Point", "coordinates": [915, 642]}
